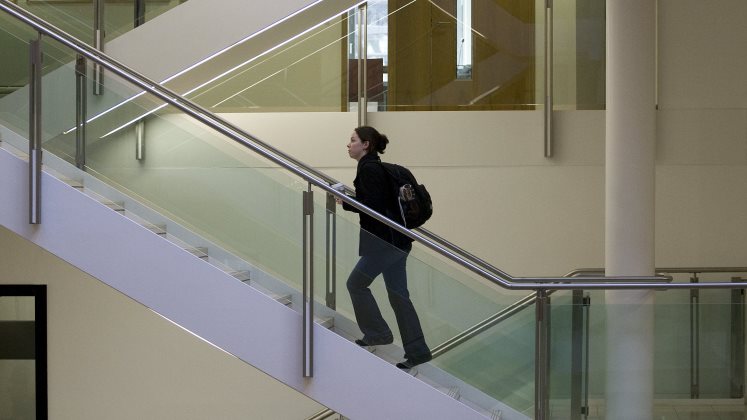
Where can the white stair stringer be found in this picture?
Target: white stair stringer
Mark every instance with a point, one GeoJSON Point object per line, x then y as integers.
{"type": "Point", "coordinates": [212, 304]}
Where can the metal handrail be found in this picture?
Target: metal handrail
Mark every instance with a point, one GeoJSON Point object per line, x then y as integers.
{"type": "Point", "coordinates": [529, 300]}
{"type": "Point", "coordinates": [324, 182]}
{"type": "Point", "coordinates": [323, 414]}
{"type": "Point", "coordinates": [276, 156]}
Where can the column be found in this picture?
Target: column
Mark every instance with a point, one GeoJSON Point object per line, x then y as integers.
{"type": "Point", "coordinates": [629, 243]}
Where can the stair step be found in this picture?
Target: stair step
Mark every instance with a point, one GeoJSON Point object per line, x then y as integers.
{"type": "Point", "coordinates": [284, 299]}
{"type": "Point", "coordinates": [453, 392]}
{"type": "Point", "coordinates": [496, 414]}
{"type": "Point", "coordinates": [327, 322]}
{"type": "Point", "coordinates": [114, 205]}
{"type": "Point", "coordinates": [72, 182]}
{"type": "Point", "coordinates": [242, 275]}
{"type": "Point", "coordinates": [157, 229]}
{"type": "Point", "coordinates": [199, 252]}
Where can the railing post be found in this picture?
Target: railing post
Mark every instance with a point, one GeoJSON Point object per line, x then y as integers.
{"type": "Point", "coordinates": [81, 100]}
{"type": "Point", "coordinates": [542, 356]}
{"type": "Point", "coordinates": [35, 140]}
{"type": "Point", "coordinates": [587, 338]}
{"type": "Point", "coordinates": [140, 139]}
{"type": "Point", "coordinates": [139, 13]}
{"type": "Point", "coordinates": [98, 43]}
{"type": "Point", "coordinates": [307, 306]}
{"type": "Point", "coordinates": [737, 341]}
{"type": "Point", "coordinates": [694, 339]}
{"type": "Point", "coordinates": [331, 254]}
{"type": "Point", "coordinates": [548, 77]}
{"type": "Point", "coordinates": [577, 354]}
{"type": "Point", "coordinates": [362, 64]}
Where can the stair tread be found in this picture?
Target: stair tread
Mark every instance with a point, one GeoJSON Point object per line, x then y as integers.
{"type": "Point", "coordinates": [243, 275]}
{"type": "Point", "coordinates": [157, 229]}
{"type": "Point", "coordinates": [116, 206]}
{"type": "Point", "coordinates": [199, 252]}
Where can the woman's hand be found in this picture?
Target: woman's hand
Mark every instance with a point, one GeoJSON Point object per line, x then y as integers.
{"type": "Point", "coordinates": [341, 188]}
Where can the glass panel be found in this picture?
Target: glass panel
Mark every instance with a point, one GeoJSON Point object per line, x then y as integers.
{"type": "Point", "coordinates": [190, 174]}
{"type": "Point", "coordinates": [17, 361]}
{"type": "Point", "coordinates": [14, 73]}
{"type": "Point", "coordinates": [77, 17]}
{"type": "Point", "coordinates": [447, 302]}
{"type": "Point", "coordinates": [424, 51]}
{"type": "Point", "coordinates": [499, 362]}
{"type": "Point", "coordinates": [715, 364]}
{"type": "Point", "coordinates": [579, 55]}
{"type": "Point", "coordinates": [215, 192]}
{"type": "Point", "coordinates": [309, 62]}
{"type": "Point", "coordinates": [562, 367]}
{"type": "Point", "coordinates": [286, 68]}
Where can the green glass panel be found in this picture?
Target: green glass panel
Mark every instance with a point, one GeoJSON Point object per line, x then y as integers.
{"type": "Point", "coordinates": [14, 73]}
{"type": "Point", "coordinates": [499, 362]}
{"type": "Point", "coordinates": [310, 62]}
{"type": "Point", "coordinates": [448, 301]}
{"type": "Point", "coordinates": [714, 365]}
{"type": "Point", "coordinates": [294, 66]}
{"type": "Point", "coordinates": [425, 54]}
{"type": "Point", "coordinates": [579, 55]}
{"type": "Point", "coordinates": [192, 175]}
{"type": "Point", "coordinates": [77, 17]}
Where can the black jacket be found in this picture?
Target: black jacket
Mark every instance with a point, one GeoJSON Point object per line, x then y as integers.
{"type": "Point", "coordinates": [375, 189]}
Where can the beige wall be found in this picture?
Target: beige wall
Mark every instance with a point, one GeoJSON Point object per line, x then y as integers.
{"type": "Point", "coordinates": [111, 358]}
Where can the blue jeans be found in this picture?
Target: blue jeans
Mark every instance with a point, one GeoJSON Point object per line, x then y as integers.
{"type": "Point", "coordinates": [392, 264]}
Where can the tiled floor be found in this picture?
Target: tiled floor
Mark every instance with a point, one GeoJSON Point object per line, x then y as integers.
{"type": "Point", "coordinates": [668, 410]}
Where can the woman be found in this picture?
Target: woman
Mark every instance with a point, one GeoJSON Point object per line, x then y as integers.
{"type": "Point", "coordinates": [383, 250]}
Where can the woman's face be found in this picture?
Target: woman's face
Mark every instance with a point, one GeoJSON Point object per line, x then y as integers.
{"type": "Point", "coordinates": [356, 148]}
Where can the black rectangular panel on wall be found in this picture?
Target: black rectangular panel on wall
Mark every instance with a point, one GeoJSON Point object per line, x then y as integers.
{"type": "Point", "coordinates": [26, 340]}
{"type": "Point", "coordinates": [18, 338]}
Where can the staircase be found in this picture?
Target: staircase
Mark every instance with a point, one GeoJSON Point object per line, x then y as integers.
{"type": "Point", "coordinates": [147, 228]}
{"type": "Point", "coordinates": [244, 311]}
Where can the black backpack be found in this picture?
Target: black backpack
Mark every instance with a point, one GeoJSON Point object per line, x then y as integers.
{"type": "Point", "coordinates": [413, 200]}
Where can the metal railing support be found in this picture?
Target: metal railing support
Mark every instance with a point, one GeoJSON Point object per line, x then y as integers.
{"type": "Point", "coordinates": [81, 101]}
{"type": "Point", "coordinates": [331, 252]}
{"type": "Point", "coordinates": [542, 356]}
{"type": "Point", "coordinates": [139, 13]}
{"type": "Point", "coordinates": [694, 339]}
{"type": "Point", "coordinates": [98, 43]}
{"type": "Point", "coordinates": [322, 415]}
{"type": "Point", "coordinates": [35, 140]}
{"type": "Point", "coordinates": [140, 139]}
{"type": "Point", "coordinates": [548, 77]}
{"type": "Point", "coordinates": [577, 354]}
{"type": "Point", "coordinates": [587, 317]}
{"type": "Point", "coordinates": [307, 305]}
{"type": "Point", "coordinates": [737, 341]}
{"type": "Point", "coordinates": [362, 64]}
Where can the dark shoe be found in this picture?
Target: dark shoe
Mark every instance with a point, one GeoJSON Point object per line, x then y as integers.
{"type": "Point", "coordinates": [362, 343]}
{"type": "Point", "coordinates": [411, 363]}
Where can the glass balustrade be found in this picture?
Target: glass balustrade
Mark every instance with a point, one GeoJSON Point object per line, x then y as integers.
{"type": "Point", "coordinates": [413, 60]}
{"type": "Point", "coordinates": [77, 17]}
{"type": "Point", "coordinates": [698, 350]}
{"type": "Point", "coordinates": [248, 207]}
{"type": "Point", "coordinates": [419, 55]}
